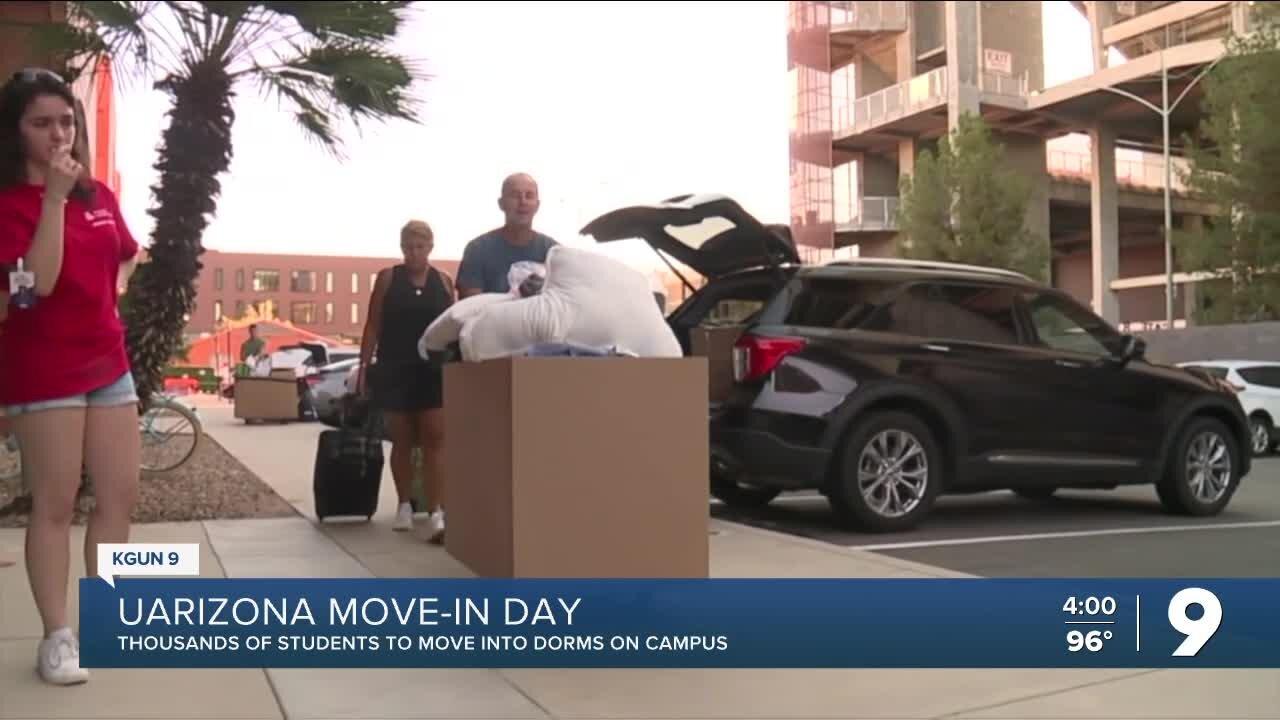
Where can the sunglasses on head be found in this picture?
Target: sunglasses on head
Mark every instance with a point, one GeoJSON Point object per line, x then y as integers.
{"type": "Point", "coordinates": [30, 75]}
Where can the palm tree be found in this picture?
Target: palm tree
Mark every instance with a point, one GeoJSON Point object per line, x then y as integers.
{"type": "Point", "coordinates": [326, 61]}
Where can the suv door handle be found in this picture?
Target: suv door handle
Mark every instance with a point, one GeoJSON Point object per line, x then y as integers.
{"type": "Point", "coordinates": [935, 348]}
{"type": "Point", "coordinates": [1068, 363]}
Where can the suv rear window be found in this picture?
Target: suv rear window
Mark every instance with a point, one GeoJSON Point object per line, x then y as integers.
{"type": "Point", "coordinates": [834, 303]}
{"type": "Point", "coordinates": [1218, 372]}
{"type": "Point", "coordinates": [1264, 375]}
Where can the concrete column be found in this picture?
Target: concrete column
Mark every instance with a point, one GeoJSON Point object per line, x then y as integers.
{"type": "Point", "coordinates": [1104, 221]}
{"type": "Point", "coordinates": [905, 50]}
{"type": "Point", "coordinates": [906, 157]}
{"type": "Point", "coordinates": [1100, 17]}
{"type": "Point", "coordinates": [1240, 17]}
{"type": "Point", "coordinates": [963, 58]}
{"type": "Point", "coordinates": [1026, 155]}
{"type": "Point", "coordinates": [1190, 298]}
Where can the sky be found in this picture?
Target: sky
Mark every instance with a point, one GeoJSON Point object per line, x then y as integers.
{"type": "Point", "coordinates": [605, 104]}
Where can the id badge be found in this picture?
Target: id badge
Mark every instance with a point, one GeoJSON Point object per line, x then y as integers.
{"type": "Point", "coordinates": [22, 287]}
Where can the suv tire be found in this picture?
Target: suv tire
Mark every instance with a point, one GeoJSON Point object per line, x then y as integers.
{"type": "Point", "coordinates": [897, 435]}
{"type": "Point", "coordinates": [1260, 434]}
{"type": "Point", "coordinates": [1204, 444]}
{"type": "Point", "coordinates": [736, 495]}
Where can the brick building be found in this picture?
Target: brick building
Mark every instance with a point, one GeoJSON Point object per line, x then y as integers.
{"type": "Point", "coordinates": [324, 294]}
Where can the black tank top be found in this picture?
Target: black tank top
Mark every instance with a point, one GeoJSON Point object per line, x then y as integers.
{"type": "Point", "coordinates": [407, 310]}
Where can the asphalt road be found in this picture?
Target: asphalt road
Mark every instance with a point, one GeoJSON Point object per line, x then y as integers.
{"type": "Point", "coordinates": [1117, 533]}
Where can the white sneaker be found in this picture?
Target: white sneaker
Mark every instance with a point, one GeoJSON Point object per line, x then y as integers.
{"type": "Point", "coordinates": [436, 528]}
{"type": "Point", "coordinates": [404, 517]}
{"type": "Point", "coordinates": [59, 659]}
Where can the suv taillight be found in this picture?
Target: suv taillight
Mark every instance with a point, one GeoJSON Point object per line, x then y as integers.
{"type": "Point", "coordinates": [755, 357]}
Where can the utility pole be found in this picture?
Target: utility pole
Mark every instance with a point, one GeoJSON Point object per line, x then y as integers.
{"type": "Point", "coordinates": [1165, 110]}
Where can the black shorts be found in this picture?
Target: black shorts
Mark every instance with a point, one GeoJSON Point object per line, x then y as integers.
{"type": "Point", "coordinates": [407, 388]}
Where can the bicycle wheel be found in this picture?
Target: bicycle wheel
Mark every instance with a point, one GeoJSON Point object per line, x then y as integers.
{"type": "Point", "coordinates": [170, 434]}
{"type": "Point", "coordinates": [10, 458]}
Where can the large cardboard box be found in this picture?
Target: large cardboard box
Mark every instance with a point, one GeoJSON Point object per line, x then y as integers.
{"type": "Point", "coordinates": [715, 343]}
{"type": "Point", "coordinates": [582, 467]}
{"type": "Point", "coordinates": [266, 398]}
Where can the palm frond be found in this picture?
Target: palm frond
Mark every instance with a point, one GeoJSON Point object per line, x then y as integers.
{"type": "Point", "coordinates": [364, 81]}
{"type": "Point", "coordinates": [305, 94]}
{"type": "Point", "coordinates": [340, 79]}
{"type": "Point", "coordinates": [359, 21]}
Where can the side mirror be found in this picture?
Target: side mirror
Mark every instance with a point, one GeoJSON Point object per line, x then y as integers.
{"type": "Point", "coordinates": [1132, 348]}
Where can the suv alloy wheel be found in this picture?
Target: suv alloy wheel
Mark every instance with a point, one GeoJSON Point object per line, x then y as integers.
{"type": "Point", "coordinates": [1259, 434]}
{"type": "Point", "coordinates": [1203, 472]}
{"type": "Point", "coordinates": [889, 474]}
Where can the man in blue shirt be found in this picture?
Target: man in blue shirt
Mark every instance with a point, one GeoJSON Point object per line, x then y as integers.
{"type": "Point", "coordinates": [486, 259]}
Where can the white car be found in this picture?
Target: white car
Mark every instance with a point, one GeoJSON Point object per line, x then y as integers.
{"type": "Point", "coordinates": [1257, 383]}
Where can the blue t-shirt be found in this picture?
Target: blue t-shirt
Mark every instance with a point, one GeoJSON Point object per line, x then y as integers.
{"type": "Point", "coordinates": [488, 258]}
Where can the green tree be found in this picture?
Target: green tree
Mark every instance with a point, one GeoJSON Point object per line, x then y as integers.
{"type": "Point", "coordinates": [1235, 164]}
{"type": "Point", "coordinates": [964, 204]}
{"type": "Point", "coordinates": [327, 62]}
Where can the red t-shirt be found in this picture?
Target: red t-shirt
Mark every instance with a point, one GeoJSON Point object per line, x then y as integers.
{"type": "Point", "coordinates": [72, 341]}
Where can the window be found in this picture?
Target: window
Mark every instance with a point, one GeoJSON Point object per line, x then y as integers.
{"type": "Point", "coordinates": [240, 279]}
{"type": "Point", "coordinates": [328, 281]}
{"type": "Point", "coordinates": [217, 310]}
{"type": "Point", "coordinates": [975, 313]}
{"type": "Point", "coordinates": [302, 281]}
{"type": "Point", "coordinates": [839, 303]}
{"type": "Point", "coordinates": [1264, 375]}
{"type": "Point", "coordinates": [266, 280]}
{"type": "Point", "coordinates": [355, 283]}
{"type": "Point", "coordinates": [266, 309]}
{"type": "Point", "coordinates": [1218, 372]}
{"type": "Point", "coordinates": [734, 312]}
{"type": "Point", "coordinates": [328, 310]}
{"type": "Point", "coordinates": [302, 313]}
{"type": "Point", "coordinates": [217, 279]}
{"type": "Point", "coordinates": [355, 311]}
{"type": "Point", "coordinates": [239, 309]}
{"type": "Point", "coordinates": [1062, 325]}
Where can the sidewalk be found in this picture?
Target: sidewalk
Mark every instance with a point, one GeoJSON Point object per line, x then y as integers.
{"type": "Point", "coordinates": [282, 456]}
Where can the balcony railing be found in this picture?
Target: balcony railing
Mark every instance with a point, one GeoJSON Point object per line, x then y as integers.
{"type": "Point", "coordinates": [1139, 173]}
{"type": "Point", "coordinates": [871, 214]}
{"type": "Point", "coordinates": [1008, 85]}
{"type": "Point", "coordinates": [922, 92]}
{"type": "Point", "coordinates": [870, 15]}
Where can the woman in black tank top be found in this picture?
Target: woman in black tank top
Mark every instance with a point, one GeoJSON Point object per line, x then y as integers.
{"type": "Point", "coordinates": [407, 389]}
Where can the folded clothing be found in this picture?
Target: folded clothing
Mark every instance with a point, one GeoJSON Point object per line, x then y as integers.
{"type": "Point", "coordinates": [588, 300]}
{"type": "Point", "coordinates": [571, 350]}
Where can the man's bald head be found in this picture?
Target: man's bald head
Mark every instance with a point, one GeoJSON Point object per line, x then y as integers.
{"type": "Point", "coordinates": [516, 181]}
{"type": "Point", "coordinates": [519, 200]}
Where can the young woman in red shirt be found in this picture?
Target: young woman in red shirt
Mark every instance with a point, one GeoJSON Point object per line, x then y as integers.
{"type": "Point", "coordinates": [65, 381]}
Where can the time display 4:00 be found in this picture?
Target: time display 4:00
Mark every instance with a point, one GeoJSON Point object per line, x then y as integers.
{"type": "Point", "coordinates": [1090, 606]}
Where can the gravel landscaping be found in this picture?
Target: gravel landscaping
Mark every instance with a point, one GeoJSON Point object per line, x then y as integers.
{"type": "Point", "coordinates": [211, 485]}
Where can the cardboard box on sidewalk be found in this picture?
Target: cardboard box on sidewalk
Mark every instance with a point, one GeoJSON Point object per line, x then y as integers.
{"type": "Point", "coordinates": [715, 343]}
{"type": "Point", "coordinates": [266, 398]}
{"type": "Point", "coordinates": [577, 467]}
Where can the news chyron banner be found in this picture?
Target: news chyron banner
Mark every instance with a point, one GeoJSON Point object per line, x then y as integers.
{"type": "Point", "coordinates": [161, 617]}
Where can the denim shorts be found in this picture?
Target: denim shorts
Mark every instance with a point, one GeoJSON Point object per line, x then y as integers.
{"type": "Point", "coordinates": [120, 392]}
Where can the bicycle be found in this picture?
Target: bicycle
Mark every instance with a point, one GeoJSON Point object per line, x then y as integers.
{"type": "Point", "coordinates": [158, 427]}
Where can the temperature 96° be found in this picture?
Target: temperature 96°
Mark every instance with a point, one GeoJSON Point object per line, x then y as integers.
{"type": "Point", "coordinates": [1091, 640]}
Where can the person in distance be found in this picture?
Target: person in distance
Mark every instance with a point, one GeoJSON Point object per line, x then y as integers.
{"type": "Point", "coordinates": [408, 390]}
{"type": "Point", "coordinates": [65, 380]}
{"type": "Point", "coordinates": [487, 259]}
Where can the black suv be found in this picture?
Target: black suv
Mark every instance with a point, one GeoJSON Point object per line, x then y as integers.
{"type": "Point", "coordinates": [883, 383]}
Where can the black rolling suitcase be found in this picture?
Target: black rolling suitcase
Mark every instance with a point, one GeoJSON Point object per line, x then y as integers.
{"type": "Point", "coordinates": [348, 471]}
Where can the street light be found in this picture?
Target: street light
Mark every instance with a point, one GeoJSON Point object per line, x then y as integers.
{"type": "Point", "coordinates": [1164, 111]}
